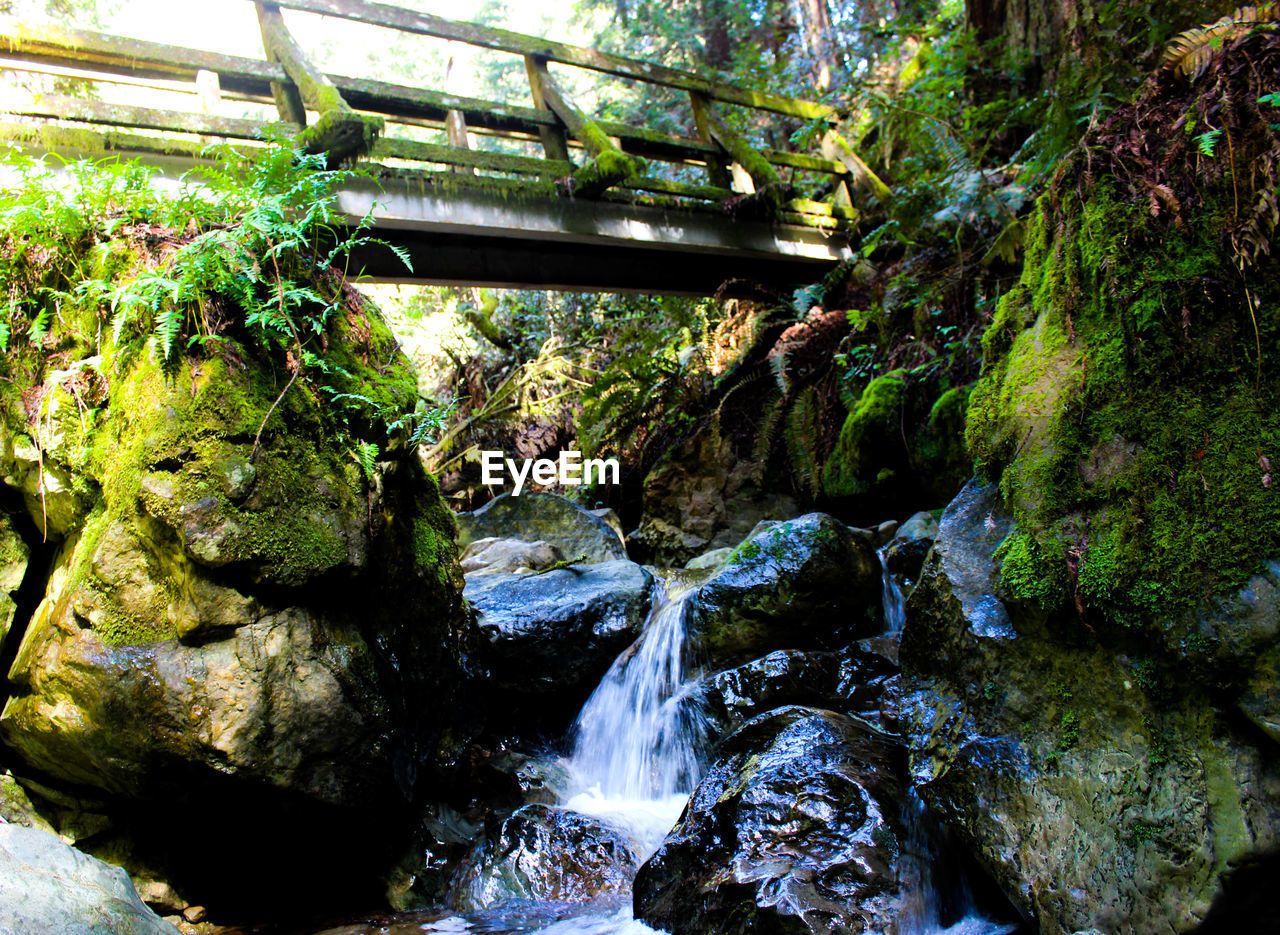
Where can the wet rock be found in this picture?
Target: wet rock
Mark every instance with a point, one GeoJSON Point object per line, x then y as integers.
{"type": "Point", "coordinates": [713, 559]}
{"type": "Point", "coordinates": [534, 517]}
{"type": "Point", "coordinates": [906, 552]}
{"type": "Point", "coordinates": [791, 830]}
{"type": "Point", "coordinates": [806, 582]}
{"type": "Point", "coordinates": [788, 676]}
{"type": "Point", "coordinates": [48, 886]}
{"type": "Point", "coordinates": [547, 853]}
{"type": "Point", "coordinates": [1094, 797]}
{"type": "Point", "coordinates": [14, 555]}
{"type": "Point", "coordinates": [558, 632]}
{"type": "Point", "coordinates": [493, 556]}
{"type": "Point", "coordinates": [701, 496]}
{"type": "Point", "coordinates": [868, 683]}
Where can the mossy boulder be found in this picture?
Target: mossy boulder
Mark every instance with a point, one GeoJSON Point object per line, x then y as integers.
{"type": "Point", "coordinates": [900, 447]}
{"type": "Point", "coordinates": [1099, 786]}
{"type": "Point", "coordinates": [1129, 405]}
{"type": "Point", "coordinates": [239, 611]}
{"type": "Point", "coordinates": [806, 582]}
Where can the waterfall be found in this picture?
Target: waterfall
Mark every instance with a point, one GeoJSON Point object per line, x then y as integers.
{"type": "Point", "coordinates": [891, 599]}
{"type": "Point", "coordinates": [641, 737]}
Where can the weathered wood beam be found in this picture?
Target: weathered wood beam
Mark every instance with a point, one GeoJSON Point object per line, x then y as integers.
{"type": "Point", "coordinates": [552, 135]}
{"type": "Point", "coordinates": [56, 106]}
{"type": "Point", "coordinates": [135, 57]}
{"type": "Point", "coordinates": [91, 140]}
{"type": "Point", "coordinates": [393, 17]}
{"type": "Point", "coordinates": [339, 131]}
{"type": "Point", "coordinates": [391, 148]}
{"type": "Point", "coordinates": [770, 191]}
{"type": "Point", "coordinates": [608, 165]}
{"type": "Point", "coordinates": [396, 100]}
{"type": "Point", "coordinates": [836, 148]}
{"type": "Point", "coordinates": [717, 171]}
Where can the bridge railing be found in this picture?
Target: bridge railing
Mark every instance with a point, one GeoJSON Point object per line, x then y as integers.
{"type": "Point", "coordinates": [349, 117]}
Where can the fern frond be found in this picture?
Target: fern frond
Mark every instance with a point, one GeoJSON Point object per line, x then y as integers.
{"type": "Point", "coordinates": [1190, 52]}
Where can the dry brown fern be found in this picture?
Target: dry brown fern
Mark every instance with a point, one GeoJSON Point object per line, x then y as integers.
{"type": "Point", "coordinates": [1190, 52]}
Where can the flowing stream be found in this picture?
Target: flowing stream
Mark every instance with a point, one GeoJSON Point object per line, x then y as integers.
{"type": "Point", "coordinates": [641, 737]}
{"type": "Point", "coordinates": [641, 742]}
{"type": "Point", "coordinates": [891, 598]}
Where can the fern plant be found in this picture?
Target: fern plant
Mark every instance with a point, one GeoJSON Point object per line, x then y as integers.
{"type": "Point", "coordinates": [1190, 52]}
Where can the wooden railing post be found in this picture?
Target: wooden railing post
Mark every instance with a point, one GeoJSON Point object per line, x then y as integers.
{"type": "Point", "coordinates": [717, 173]}
{"type": "Point", "coordinates": [836, 149]}
{"type": "Point", "coordinates": [554, 145]}
{"type": "Point", "coordinates": [339, 131]}
{"type": "Point", "coordinates": [608, 164]}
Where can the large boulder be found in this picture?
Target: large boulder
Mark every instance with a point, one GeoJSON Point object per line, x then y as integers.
{"type": "Point", "coordinates": [557, 632]}
{"type": "Point", "coordinates": [546, 853]}
{"type": "Point", "coordinates": [246, 629]}
{"type": "Point", "coordinates": [791, 830]}
{"type": "Point", "coordinates": [48, 886]}
{"type": "Point", "coordinates": [1100, 788]}
{"type": "Point", "coordinates": [807, 582]}
{"type": "Point", "coordinates": [578, 534]}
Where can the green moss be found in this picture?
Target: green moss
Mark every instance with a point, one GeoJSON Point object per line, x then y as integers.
{"type": "Point", "coordinates": [1029, 574]}
{"type": "Point", "coordinates": [865, 438]}
{"type": "Point", "coordinates": [1118, 407]}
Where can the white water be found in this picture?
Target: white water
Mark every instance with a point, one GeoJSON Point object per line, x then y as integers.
{"type": "Point", "coordinates": [641, 737]}
{"type": "Point", "coordinates": [891, 599]}
{"type": "Point", "coordinates": [922, 909]}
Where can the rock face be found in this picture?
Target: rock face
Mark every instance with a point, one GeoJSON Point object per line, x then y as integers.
{"type": "Point", "coordinates": [558, 632]}
{"type": "Point", "coordinates": [576, 533]}
{"type": "Point", "coordinates": [47, 886]}
{"type": "Point", "coordinates": [805, 582]}
{"type": "Point", "coordinates": [701, 497]}
{"type": "Point", "coordinates": [547, 853]}
{"type": "Point", "coordinates": [261, 637]}
{"type": "Point", "coordinates": [791, 830]}
{"type": "Point", "coordinates": [1098, 794]}
{"type": "Point", "coordinates": [13, 567]}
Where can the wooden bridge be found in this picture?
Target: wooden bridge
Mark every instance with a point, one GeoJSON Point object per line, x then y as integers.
{"type": "Point", "coordinates": [478, 192]}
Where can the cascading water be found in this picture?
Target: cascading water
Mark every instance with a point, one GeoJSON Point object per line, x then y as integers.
{"type": "Point", "coordinates": [925, 906]}
{"type": "Point", "coordinates": [891, 598]}
{"type": "Point", "coordinates": [641, 736]}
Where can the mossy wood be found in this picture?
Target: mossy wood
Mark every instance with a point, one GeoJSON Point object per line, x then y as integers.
{"type": "Point", "coordinates": [584, 159]}
{"type": "Point", "coordinates": [381, 14]}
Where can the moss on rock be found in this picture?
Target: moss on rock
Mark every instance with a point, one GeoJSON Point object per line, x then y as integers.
{"type": "Point", "coordinates": [1126, 413]}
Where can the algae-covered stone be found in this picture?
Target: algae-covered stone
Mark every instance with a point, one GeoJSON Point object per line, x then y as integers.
{"type": "Point", "coordinates": [577, 533]}
{"type": "Point", "coordinates": [806, 582]}
{"type": "Point", "coordinates": [1095, 797]}
{"type": "Point", "coordinates": [245, 626]}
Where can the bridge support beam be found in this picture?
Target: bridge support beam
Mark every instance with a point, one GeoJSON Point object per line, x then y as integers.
{"type": "Point", "coordinates": [470, 237]}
